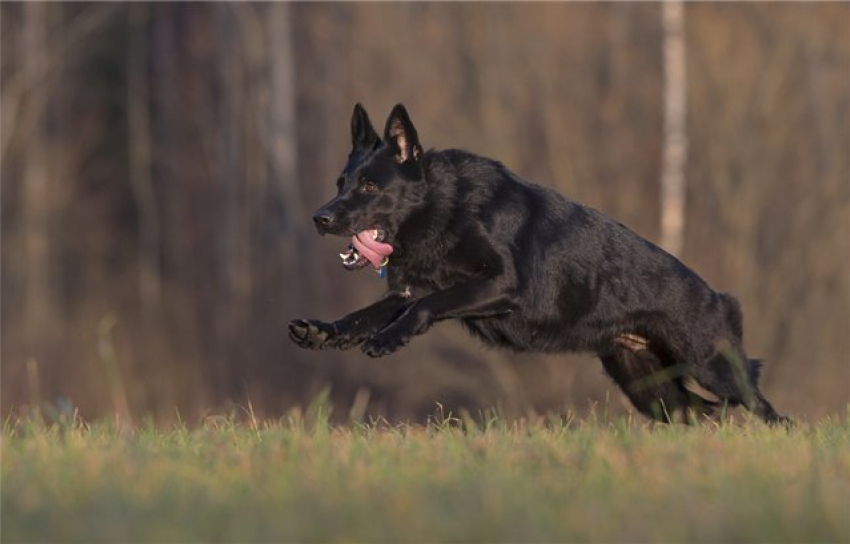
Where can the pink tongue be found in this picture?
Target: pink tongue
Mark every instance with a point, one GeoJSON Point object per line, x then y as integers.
{"type": "Point", "coordinates": [370, 248]}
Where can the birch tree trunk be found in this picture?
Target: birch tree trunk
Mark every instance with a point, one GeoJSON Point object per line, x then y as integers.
{"type": "Point", "coordinates": [675, 138]}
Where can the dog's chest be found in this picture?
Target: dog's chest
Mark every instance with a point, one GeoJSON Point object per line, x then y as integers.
{"type": "Point", "coordinates": [439, 268]}
{"type": "Point", "coordinates": [427, 277]}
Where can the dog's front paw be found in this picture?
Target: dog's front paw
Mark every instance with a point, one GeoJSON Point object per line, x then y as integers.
{"type": "Point", "coordinates": [384, 344]}
{"type": "Point", "coordinates": [310, 334]}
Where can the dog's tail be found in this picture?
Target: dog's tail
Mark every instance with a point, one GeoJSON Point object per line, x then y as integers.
{"type": "Point", "coordinates": [754, 369]}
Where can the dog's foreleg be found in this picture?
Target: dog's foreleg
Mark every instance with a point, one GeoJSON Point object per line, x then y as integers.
{"type": "Point", "coordinates": [483, 299]}
{"type": "Point", "coordinates": [352, 329]}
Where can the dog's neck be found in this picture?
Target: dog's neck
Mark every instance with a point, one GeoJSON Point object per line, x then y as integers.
{"type": "Point", "coordinates": [425, 222]}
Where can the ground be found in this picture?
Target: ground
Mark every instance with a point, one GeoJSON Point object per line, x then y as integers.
{"type": "Point", "coordinates": [300, 479]}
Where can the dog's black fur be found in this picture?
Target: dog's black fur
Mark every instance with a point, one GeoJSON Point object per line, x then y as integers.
{"type": "Point", "coordinates": [525, 268]}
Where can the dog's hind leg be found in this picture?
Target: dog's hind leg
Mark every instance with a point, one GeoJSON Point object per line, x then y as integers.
{"type": "Point", "coordinates": [731, 376]}
{"type": "Point", "coordinates": [653, 385]}
{"type": "Point", "coordinates": [763, 409]}
{"type": "Point", "coordinates": [630, 370]}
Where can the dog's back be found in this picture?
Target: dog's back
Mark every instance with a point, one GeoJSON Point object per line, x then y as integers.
{"type": "Point", "coordinates": [579, 278]}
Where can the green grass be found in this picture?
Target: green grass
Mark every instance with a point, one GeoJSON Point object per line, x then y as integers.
{"type": "Point", "coordinates": [287, 481]}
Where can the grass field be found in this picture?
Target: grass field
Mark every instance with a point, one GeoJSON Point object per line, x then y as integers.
{"type": "Point", "coordinates": [288, 481]}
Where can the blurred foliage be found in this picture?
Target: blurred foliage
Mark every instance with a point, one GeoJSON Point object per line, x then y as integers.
{"type": "Point", "coordinates": [160, 163]}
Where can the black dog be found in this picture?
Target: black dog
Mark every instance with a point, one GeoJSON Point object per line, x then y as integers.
{"type": "Point", "coordinates": [523, 267]}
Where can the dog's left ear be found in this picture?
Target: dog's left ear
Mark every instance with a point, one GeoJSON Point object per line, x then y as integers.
{"type": "Point", "coordinates": [401, 134]}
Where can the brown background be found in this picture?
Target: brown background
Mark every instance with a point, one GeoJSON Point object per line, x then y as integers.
{"type": "Point", "coordinates": [160, 164]}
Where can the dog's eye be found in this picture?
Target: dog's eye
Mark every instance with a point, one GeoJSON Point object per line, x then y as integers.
{"type": "Point", "coordinates": [369, 187]}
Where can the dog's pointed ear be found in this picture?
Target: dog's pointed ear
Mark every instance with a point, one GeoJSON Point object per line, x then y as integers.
{"type": "Point", "coordinates": [363, 135]}
{"type": "Point", "coordinates": [400, 133]}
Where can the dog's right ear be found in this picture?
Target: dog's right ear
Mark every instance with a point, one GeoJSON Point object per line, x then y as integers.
{"type": "Point", "coordinates": [363, 135]}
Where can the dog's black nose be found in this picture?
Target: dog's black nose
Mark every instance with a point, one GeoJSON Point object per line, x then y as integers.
{"type": "Point", "coordinates": [323, 218]}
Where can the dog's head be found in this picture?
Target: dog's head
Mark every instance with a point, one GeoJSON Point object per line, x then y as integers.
{"type": "Point", "coordinates": [381, 182]}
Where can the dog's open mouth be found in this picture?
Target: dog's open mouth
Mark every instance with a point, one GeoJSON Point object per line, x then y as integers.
{"type": "Point", "coordinates": [366, 247]}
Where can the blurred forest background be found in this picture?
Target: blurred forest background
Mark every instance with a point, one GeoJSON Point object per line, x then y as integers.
{"type": "Point", "coordinates": [161, 162]}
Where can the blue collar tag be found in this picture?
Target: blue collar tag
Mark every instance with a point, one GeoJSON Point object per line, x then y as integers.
{"type": "Point", "coordinates": [382, 270]}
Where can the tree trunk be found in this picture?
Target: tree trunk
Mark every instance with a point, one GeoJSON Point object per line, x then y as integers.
{"type": "Point", "coordinates": [283, 153]}
{"type": "Point", "coordinates": [36, 194]}
{"type": "Point", "coordinates": [140, 150]}
{"type": "Point", "coordinates": [675, 137]}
